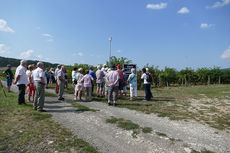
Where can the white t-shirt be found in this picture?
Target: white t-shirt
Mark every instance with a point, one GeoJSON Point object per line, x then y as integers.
{"type": "Point", "coordinates": [21, 70]}
{"type": "Point", "coordinates": [112, 76]}
{"type": "Point", "coordinates": [38, 74]}
{"type": "Point", "coordinates": [56, 73]}
{"type": "Point", "coordinates": [29, 74]}
{"type": "Point", "coordinates": [144, 76]}
{"type": "Point", "coordinates": [73, 72]}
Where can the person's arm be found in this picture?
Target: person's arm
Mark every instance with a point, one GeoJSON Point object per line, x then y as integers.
{"type": "Point", "coordinates": [142, 76]}
{"type": "Point", "coordinates": [42, 80]}
{"type": "Point", "coordinates": [30, 79]}
{"type": "Point", "coordinates": [61, 78]}
{"type": "Point", "coordinates": [16, 79]}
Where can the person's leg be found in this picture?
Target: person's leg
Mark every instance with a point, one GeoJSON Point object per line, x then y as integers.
{"type": "Point", "coordinates": [41, 97]}
{"type": "Point", "coordinates": [90, 93]}
{"type": "Point", "coordinates": [23, 94]}
{"type": "Point", "coordinates": [135, 90]}
{"type": "Point", "coordinates": [57, 88]}
{"type": "Point", "coordinates": [86, 93]}
{"type": "Point", "coordinates": [109, 94]}
{"type": "Point", "coordinates": [146, 91]}
{"type": "Point", "coordinates": [98, 89]}
{"type": "Point", "coordinates": [61, 89]}
{"type": "Point", "coordinates": [36, 96]}
{"type": "Point", "coordinates": [131, 92]}
{"type": "Point", "coordinates": [115, 94]}
{"type": "Point", "coordinates": [80, 95]}
{"type": "Point", "coordinates": [151, 95]}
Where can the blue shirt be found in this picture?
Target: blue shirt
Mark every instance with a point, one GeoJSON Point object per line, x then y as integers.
{"type": "Point", "coordinates": [132, 79]}
{"type": "Point", "coordinates": [92, 74]}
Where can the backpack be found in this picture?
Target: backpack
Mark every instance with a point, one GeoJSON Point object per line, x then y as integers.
{"type": "Point", "coordinates": [149, 78]}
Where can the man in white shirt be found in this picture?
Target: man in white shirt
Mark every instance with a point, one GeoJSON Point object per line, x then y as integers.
{"type": "Point", "coordinates": [112, 80]}
{"type": "Point", "coordinates": [144, 76]}
{"type": "Point", "coordinates": [39, 82]}
{"type": "Point", "coordinates": [55, 76]}
{"type": "Point", "coordinates": [21, 81]}
{"type": "Point", "coordinates": [61, 82]}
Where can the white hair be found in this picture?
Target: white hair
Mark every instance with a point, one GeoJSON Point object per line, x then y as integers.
{"type": "Point", "coordinates": [99, 67]}
{"type": "Point", "coordinates": [39, 64]}
{"type": "Point", "coordinates": [80, 69]}
{"type": "Point", "coordinates": [23, 62]}
{"type": "Point", "coordinates": [132, 70]}
{"type": "Point", "coordinates": [147, 69]}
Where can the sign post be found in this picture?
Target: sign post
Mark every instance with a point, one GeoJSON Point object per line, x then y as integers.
{"type": "Point", "coordinates": [128, 67]}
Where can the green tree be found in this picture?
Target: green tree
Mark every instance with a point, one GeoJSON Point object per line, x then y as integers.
{"type": "Point", "coordinates": [119, 60]}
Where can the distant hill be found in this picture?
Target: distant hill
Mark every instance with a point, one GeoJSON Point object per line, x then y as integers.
{"type": "Point", "coordinates": [15, 62]}
{"type": "Point", "coordinates": [226, 69]}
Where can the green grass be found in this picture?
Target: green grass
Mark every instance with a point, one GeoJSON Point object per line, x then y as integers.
{"type": "Point", "coordinates": [176, 104]}
{"type": "Point", "coordinates": [147, 130]}
{"type": "Point", "coordinates": [161, 134]}
{"type": "Point", "coordinates": [24, 130]}
{"type": "Point", "coordinates": [202, 151]}
{"type": "Point", "coordinates": [128, 125]}
{"type": "Point", "coordinates": [48, 94]}
{"type": "Point", "coordinates": [82, 108]}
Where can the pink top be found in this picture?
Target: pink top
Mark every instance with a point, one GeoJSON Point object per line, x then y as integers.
{"type": "Point", "coordinates": [87, 79]}
{"type": "Point", "coordinates": [120, 73]}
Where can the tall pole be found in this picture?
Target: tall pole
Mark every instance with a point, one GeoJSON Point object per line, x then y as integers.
{"type": "Point", "coordinates": [110, 40]}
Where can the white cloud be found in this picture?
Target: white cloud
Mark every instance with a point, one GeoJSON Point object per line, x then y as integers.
{"type": "Point", "coordinates": [219, 4]}
{"type": "Point", "coordinates": [40, 56]}
{"type": "Point", "coordinates": [4, 27]}
{"type": "Point", "coordinates": [183, 10]}
{"type": "Point", "coordinates": [226, 53]}
{"type": "Point", "coordinates": [118, 51]}
{"type": "Point", "coordinates": [26, 54]}
{"type": "Point", "coordinates": [78, 54]}
{"type": "Point", "coordinates": [156, 6]}
{"type": "Point", "coordinates": [206, 25]}
{"type": "Point", "coordinates": [3, 49]}
{"type": "Point", "coordinates": [47, 35]}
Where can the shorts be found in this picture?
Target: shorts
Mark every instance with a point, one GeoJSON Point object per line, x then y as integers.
{"type": "Point", "coordinates": [8, 82]}
{"type": "Point", "coordinates": [106, 88]}
{"type": "Point", "coordinates": [79, 87]}
{"type": "Point", "coordinates": [100, 85]}
{"type": "Point", "coordinates": [31, 89]}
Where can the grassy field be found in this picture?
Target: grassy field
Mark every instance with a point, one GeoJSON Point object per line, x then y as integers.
{"type": "Point", "coordinates": [25, 130]}
{"type": "Point", "coordinates": [208, 104]}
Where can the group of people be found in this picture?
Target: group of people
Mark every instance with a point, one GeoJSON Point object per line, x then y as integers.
{"type": "Point", "coordinates": [109, 82]}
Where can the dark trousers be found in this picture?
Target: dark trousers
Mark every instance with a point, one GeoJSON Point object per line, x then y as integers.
{"type": "Point", "coordinates": [21, 93]}
{"type": "Point", "coordinates": [148, 93]}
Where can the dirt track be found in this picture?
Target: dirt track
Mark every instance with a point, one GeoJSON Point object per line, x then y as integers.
{"type": "Point", "coordinates": [91, 127]}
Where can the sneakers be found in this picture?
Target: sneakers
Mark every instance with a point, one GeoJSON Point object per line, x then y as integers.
{"type": "Point", "coordinates": [42, 110]}
{"type": "Point", "coordinates": [62, 99]}
{"type": "Point", "coordinates": [75, 98]}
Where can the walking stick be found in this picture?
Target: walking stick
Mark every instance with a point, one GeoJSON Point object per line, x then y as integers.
{"type": "Point", "coordinates": [3, 88]}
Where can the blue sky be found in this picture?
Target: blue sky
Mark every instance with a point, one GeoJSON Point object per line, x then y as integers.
{"type": "Point", "coordinates": [172, 33]}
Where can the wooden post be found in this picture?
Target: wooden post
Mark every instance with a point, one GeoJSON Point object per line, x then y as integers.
{"type": "Point", "coordinates": [209, 80]}
{"type": "Point", "coordinates": [219, 79]}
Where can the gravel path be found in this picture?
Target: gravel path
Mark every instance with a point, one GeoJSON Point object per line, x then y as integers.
{"type": "Point", "coordinates": [91, 127]}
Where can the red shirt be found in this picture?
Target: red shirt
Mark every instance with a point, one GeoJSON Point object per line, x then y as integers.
{"type": "Point", "coordinates": [120, 73]}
